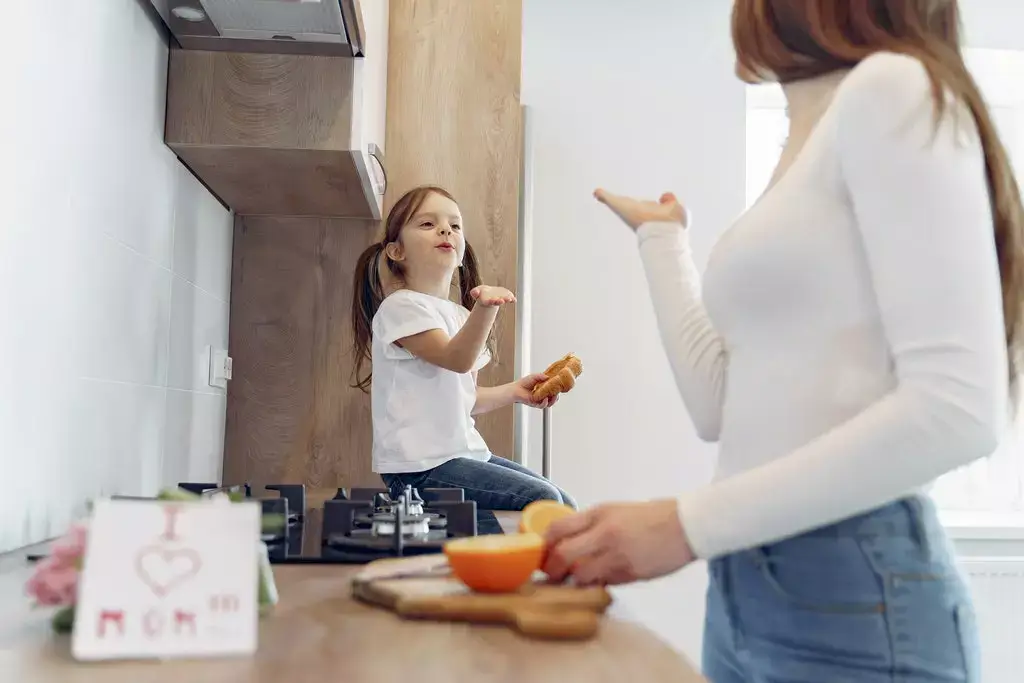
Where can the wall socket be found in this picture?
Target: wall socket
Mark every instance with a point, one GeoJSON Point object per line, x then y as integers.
{"type": "Point", "coordinates": [220, 367]}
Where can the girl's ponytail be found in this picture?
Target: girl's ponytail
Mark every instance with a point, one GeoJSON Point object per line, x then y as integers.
{"type": "Point", "coordinates": [367, 295]}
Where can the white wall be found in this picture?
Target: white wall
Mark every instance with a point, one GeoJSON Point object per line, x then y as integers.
{"type": "Point", "coordinates": [636, 97]}
{"type": "Point", "coordinates": [993, 24]}
{"type": "Point", "coordinates": [114, 272]}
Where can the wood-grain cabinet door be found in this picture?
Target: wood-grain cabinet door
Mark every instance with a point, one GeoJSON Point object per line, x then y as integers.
{"type": "Point", "coordinates": [292, 415]}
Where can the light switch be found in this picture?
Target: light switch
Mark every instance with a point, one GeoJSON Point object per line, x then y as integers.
{"type": "Point", "coordinates": [220, 367]}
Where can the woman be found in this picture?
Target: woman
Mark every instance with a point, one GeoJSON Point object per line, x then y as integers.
{"type": "Point", "coordinates": [856, 338]}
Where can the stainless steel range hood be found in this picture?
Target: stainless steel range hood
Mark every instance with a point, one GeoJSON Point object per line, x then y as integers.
{"type": "Point", "coordinates": [307, 27]}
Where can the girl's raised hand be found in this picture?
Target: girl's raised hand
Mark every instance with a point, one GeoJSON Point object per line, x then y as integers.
{"type": "Point", "coordinates": [636, 212]}
{"type": "Point", "coordinates": [489, 295]}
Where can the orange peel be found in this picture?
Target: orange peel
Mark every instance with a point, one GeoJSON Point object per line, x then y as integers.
{"type": "Point", "coordinates": [495, 563]}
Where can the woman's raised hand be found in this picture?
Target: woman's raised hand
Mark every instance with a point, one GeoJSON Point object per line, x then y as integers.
{"type": "Point", "coordinates": [636, 212]}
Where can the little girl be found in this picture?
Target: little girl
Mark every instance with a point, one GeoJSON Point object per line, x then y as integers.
{"type": "Point", "coordinates": [425, 352]}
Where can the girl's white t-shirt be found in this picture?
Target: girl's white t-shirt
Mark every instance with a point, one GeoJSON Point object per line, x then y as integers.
{"type": "Point", "coordinates": [422, 413]}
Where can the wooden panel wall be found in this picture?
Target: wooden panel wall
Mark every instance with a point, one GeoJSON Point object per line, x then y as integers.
{"type": "Point", "coordinates": [454, 119]}
{"type": "Point", "coordinates": [292, 416]}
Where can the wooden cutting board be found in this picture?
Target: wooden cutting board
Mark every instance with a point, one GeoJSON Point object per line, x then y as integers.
{"type": "Point", "coordinates": [423, 588]}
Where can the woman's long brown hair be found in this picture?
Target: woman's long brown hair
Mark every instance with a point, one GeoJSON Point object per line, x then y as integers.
{"type": "Point", "coordinates": [368, 290]}
{"type": "Point", "coordinates": [787, 40]}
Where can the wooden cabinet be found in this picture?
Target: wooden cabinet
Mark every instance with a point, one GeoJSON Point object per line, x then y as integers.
{"type": "Point", "coordinates": [286, 134]}
{"type": "Point", "coordinates": [292, 415]}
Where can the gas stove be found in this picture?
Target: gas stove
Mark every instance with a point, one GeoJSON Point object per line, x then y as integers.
{"type": "Point", "coordinates": [357, 525]}
{"type": "Point", "coordinates": [362, 524]}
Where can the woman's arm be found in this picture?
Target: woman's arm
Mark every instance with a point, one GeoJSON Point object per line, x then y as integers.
{"type": "Point", "coordinates": [695, 352]}
{"type": "Point", "coordinates": [922, 209]}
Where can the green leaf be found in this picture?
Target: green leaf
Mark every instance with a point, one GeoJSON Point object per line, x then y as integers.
{"type": "Point", "coordinates": [272, 523]}
{"type": "Point", "coordinates": [177, 494]}
{"type": "Point", "coordinates": [64, 619]}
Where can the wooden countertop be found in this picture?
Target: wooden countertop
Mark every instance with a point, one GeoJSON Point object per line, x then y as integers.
{"type": "Point", "coordinates": [317, 633]}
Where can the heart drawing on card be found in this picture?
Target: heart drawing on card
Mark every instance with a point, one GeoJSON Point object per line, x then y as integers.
{"type": "Point", "coordinates": [164, 569]}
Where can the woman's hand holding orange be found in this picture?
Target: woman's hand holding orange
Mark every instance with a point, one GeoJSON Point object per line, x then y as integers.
{"type": "Point", "coordinates": [618, 543]}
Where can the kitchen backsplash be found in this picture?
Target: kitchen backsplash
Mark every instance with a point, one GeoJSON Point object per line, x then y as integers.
{"type": "Point", "coordinates": [114, 275]}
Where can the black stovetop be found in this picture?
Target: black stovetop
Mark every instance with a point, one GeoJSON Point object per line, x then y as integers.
{"type": "Point", "coordinates": [358, 525]}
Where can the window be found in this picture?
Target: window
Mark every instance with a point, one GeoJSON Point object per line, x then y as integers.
{"type": "Point", "coordinates": [995, 484]}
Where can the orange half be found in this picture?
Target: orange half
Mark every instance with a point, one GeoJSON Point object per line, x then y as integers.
{"type": "Point", "coordinates": [538, 516]}
{"type": "Point", "coordinates": [495, 563]}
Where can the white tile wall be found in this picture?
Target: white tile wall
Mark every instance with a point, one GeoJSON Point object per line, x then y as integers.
{"type": "Point", "coordinates": [194, 426]}
{"type": "Point", "coordinates": [198, 320]}
{"type": "Point", "coordinates": [123, 317]}
{"type": "Point", "coordinates": [201, 254]}
{"type": "Point", "coordinates": [119, 429]}
{"type": "Point", "coordinates": [114, 274]}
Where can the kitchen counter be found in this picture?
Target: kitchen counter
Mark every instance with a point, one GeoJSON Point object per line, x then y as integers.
{"type": "Point", "coordinates": [317, 633]}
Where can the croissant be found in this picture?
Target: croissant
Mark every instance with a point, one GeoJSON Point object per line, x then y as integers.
{"type": "Point", "coordinates": [570, 361]}
{"type": "Point", "coordinates": [561, 377]}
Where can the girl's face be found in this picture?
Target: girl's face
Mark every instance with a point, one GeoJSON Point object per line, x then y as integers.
{"type": "Point", "coordinates": [433, 239]}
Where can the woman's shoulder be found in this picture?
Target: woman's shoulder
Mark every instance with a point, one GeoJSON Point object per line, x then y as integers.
{"type": "Point", "coordinates": [887, 82]}
{"type": "Point", "coordinates": [888, 69]}
{"type": "Point", "coordinates": [883, 80]}
{"type": "Point", "coordinates": [889, 93]}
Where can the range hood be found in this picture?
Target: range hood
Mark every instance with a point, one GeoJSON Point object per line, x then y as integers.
{"type": "Point", "coordinates": [300, 27]}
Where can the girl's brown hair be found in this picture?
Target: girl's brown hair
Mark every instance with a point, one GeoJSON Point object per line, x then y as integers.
{"type": "Point", "coordinates": [368, 291]}
{"type": "Point", "coordinates": [788, 40]}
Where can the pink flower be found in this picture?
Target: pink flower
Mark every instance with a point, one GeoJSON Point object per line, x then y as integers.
{"type": "Point", "coordinates": [53, 584]}
{"type": "Point", "coordinates": [55, 580]}
{"type": "Point", "coordinates": [70, 549]}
